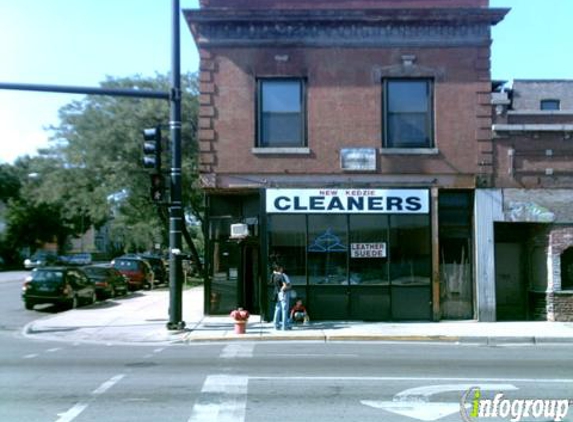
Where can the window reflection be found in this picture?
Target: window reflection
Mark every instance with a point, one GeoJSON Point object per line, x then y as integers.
{"type": "Point", "coordinates": [410, 250]}
{"type": "Point", "coordinates": [327, 249]}
{"type": "Point", "coordinates": [369, 232]}
{"type": "Point", "coordinates": [287, 245]}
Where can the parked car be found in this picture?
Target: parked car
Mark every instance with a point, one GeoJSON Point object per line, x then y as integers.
{"type": "Point", "coordinates": [41, 259]}
{"type": "Point", "coordinates": [138, 271]}
{"type": "Point", "coordinates": [65, 286]}
{"type": "Point", "coordinates": [79, 259]}
{"type": "Point", "coordinates": [109, 282]}
{"type": "Point", "coordinates": [158, 267]}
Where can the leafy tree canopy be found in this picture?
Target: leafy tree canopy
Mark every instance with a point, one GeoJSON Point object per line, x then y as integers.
{"type": "Point", "coordinates": [93, 174]}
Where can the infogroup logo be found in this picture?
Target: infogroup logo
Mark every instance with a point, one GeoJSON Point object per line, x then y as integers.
{"type": "Point", "coordinates": [473, 407]}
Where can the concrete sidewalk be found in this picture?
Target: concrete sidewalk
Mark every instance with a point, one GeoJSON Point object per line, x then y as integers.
{"type": "Point", "coordinates": [141, 319]}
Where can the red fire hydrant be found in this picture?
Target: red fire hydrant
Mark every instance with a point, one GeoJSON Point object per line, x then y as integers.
{"type": "Point", "coordinates": [241, 316]}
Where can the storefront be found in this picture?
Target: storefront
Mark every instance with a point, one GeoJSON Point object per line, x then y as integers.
{"type": "Point", "coordinates": [351, 254]}
{"type": "Point", "coordinates": [354, 254]}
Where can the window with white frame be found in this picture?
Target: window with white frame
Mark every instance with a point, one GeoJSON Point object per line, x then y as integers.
{"type": "Point", "coordinates": [281, 112]}
{"type": "Point", "coordinates": [408, 113]}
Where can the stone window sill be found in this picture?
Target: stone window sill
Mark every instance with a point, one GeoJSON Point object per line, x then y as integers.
{"type": "Point", "coordinates": [409, 151]}
{"type": "Point", "coordinates": [281, 151]}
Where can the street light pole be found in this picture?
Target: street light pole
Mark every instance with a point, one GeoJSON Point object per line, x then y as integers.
{"type": "Point", "coordinates": [175, 207]}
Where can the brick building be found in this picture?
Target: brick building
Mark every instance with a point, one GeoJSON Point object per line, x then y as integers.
{"type": "Point", "coordinates": [533, 151]}
{"type": "Point", "coordinates": [352, 140]}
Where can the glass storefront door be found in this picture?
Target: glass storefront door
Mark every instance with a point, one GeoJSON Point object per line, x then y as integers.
{"type": "Point", "coordinates": [328, 278]}
{"type": "Point", "coordinates": [370, 287]}
{"type": "Point", "coordinates": [410, 267]}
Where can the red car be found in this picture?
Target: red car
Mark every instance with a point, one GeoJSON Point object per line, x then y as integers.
{"type": "Point", "coordinates": [138, 272]}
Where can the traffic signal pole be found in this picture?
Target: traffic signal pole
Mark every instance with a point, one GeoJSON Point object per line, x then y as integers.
{"type": "Point", "coordinates": [175, 207]}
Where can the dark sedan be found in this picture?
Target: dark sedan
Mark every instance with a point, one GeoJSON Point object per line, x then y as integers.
{"type": "Point", "coordinates": [108, 281]}
{"type": "Point", "coordinates": [64, 286]}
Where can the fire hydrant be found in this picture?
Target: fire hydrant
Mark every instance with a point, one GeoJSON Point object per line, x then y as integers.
{"type": "Point", "coordinates": [241, 316]}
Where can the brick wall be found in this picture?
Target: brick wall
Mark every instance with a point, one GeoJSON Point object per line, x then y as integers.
{"type": "Point", "coordinates": [344, 107]}
{"type": "Point", "coordinates": [559, 304]}
{"type": "Point", "coordinates": [562, 306]}
{"type": "Point", "coordinates": [527, 94]}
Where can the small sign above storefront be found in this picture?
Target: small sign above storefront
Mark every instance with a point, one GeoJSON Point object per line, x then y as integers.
{"type": "Point", "coordinates": [368, 250]}
{"type": "Point", "coordinates": [348, 201]}
{"type": "Point", "coordinates": [358, 159]}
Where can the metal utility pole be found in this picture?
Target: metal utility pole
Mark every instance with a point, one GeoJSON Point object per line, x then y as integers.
{"type": "Point", "coordinates": [175, 207]}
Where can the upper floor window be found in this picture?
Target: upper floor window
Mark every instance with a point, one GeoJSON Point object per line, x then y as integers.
{"type": "Point", "coordinates": [281, 113]}
{"type": "Point", "coordinates": [408, 113]}
{"type": "Point", "coordinates": [550, 105]}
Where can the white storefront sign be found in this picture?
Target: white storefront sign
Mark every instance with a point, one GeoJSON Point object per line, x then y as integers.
{"type": "Point", "coordinates": [368, 250]}
{"type": "Point", "coordinates": [348, 201]}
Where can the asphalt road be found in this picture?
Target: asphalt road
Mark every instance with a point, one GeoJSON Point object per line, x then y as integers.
{"type": "Point", "coordinates": [262, 382]}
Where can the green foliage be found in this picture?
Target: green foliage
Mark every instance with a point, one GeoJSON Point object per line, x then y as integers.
{"type": "Point", "coordinates": [9, 182]}
{"type": "Point", "coordinates": [93, 174]}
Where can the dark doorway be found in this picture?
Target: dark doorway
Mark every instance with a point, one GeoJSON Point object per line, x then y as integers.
{"type": "Point", "coordinates": [567, 269]}
{"type": "Point", "coordinates": [511, 283]}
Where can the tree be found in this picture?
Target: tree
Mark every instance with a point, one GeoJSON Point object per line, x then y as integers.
{"type": "Point", "coordinates": [99, 148]}
{"type": "Point", "coordinates": [9, 182]}
{"type": "Point", "coordinates": [31, 221]}
{"type": "Point", "coordinates": [92, 174]}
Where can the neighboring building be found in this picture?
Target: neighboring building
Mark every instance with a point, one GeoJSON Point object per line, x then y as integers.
{"type": "Point", "coordinates": [351, 138]}
{"type": "Point", "coordinates": [533, 227]}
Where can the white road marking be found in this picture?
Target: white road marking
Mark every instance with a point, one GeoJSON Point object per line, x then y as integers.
{"type": "Point", "coordinates": [423, 393]}
{"type": "Point", "coordinates": [423, 379]}
{"type": "Point", "coordinates": [223, 399]}
{"type": "Point", "coordinates": [313, 355]}
{"type": "Point", "coordinates": [78, 408]}
{"type": "Point", "coordinates": [415, 402]}
{"type": "Point", "coordinates": [233, 351]}
{"type": "Point", "coordinates": [55, 349]}
{"type": "Point", "coordinates": [156, 351]}
{"type": "Point", "coordinates": [107, 385]}
{"type": "Point", "coordinates": [30, 356]}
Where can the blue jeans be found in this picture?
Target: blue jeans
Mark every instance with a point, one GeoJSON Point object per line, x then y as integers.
{"type": "Point", "coordinates": [282, 306]}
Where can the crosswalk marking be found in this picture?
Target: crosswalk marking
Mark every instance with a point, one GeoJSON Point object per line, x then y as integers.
{"type": "Point", "coordinates": [232, 351]}
{"type": "Point", "coordinates": [223, 399]}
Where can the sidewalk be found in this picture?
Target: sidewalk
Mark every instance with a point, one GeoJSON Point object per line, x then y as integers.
{"type": "Point", "coordinates": [141, 319]}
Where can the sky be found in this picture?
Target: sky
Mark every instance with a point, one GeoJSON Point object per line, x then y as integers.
{"type": "Point", "coordinates": [80, 42]}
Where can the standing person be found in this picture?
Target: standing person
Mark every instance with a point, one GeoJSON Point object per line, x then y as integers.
{"type": "Point", "coordinates": [282, 298]}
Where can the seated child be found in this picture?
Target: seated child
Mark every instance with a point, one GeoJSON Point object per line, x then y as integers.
{"type": "Point", "coordinates": [298, 313]}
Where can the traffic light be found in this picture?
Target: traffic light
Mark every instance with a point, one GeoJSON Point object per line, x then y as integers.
{"type": "Point", "coordinates": [152, 148]}
{"type": "Point", "coordinates": [157, 187]}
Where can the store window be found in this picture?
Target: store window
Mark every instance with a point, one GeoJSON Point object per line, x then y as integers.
{"type": "Point", "coordinates": [287, 240]}
{"type": "Point", "coordinates": [369, 249]}
{"type": "Point", "coordinates": [281, 113]}
{"type": "Point", "coordinates": [327, 249]}
{"type": "Point", "coordinates": [408, 113]}
{"type": "Point", "coordinates": [455, 212]}
{"type": "Point", "coordinates": [410, 250]}
{"type": "Point", "coordinates": [224, 267]}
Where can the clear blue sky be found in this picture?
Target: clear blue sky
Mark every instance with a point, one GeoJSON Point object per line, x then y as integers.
{"type": "Point", "coordinates": [79, 42]}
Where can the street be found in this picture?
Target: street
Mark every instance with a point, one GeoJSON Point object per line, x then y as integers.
{"type": "Point", "coordinates": [260, 381]}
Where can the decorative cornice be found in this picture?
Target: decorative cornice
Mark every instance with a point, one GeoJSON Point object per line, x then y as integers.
{"type": "Point", "coordinates": [372, 28]}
